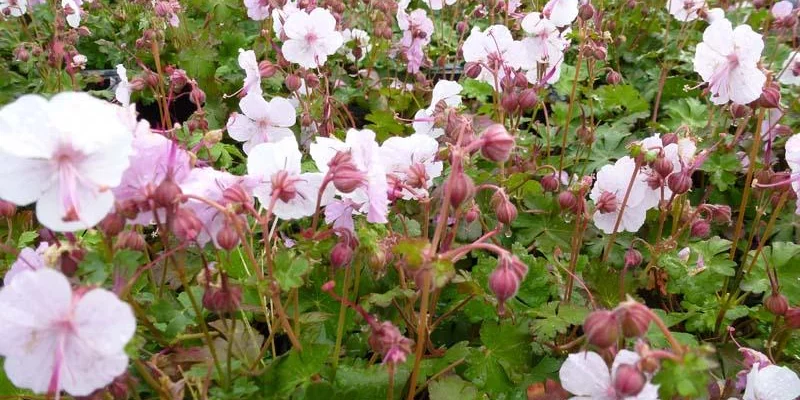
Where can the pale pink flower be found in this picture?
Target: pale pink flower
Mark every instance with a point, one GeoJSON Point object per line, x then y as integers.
{"type": "Point", "coordinates": [771, 383]}
{"type": "Point", "coordinates": [685, 10]}
{"type": "Point", "coordinates": [793, 159]}
{"type": "Point", "coordinates": [290, 193]}
{"type": "Point", "coordinates": [263, 121]}
{"type": "Point", "coordinates": [210, 184]}
{"type": "Point", "coordinates": [438, 4]}
{"type": "Point", "coordinates": [64, 154]}
{"type": "Point", "coordinates": [123, 91]}
{"type": "Point", "coordinates": [417, 31]}
{"type": "Point", "coordinates": [561, 12]}
{"type": "Point", "coordinates": [339, 213]}
{"type": "Point", "coordinates": [680, 155]}
{"type": "Point", "coordinates": [544, 48]}
{"type": "Point", "coordinates": [790, 73]}
{"type": "Point", "coordinates": [608, 194]}
{"type": "Point", "coordinates": [280, 15]}
{"type": "Point", "coordinates": [587, 376]}
{"type": "Point", "coordinates": [373, 196]}
{"type": "Point", "coordinates": [28, 260]}
{"type": "Point", "coordinates": [782, 9]}
{"type": "Point", "coordinates": [728, 60]}
{"type": "Point", "coordinates": [447, 91]}
{"type": "Point", "coordinates": [252, 80]}
{"type": "Point", "coordinates": [360, 38]}
{"type": "Point", "coordinates": [257, 10]}
{"type": "Point", "coordinates": [154, 159]}
{"type": "Point", "coordinates": [714, 15]}
{"type": "Point", "coordinates": [312, 37]}
{"type": "Point", "coordinates": [15, 8]}
{"type": "Point", "coordinates": [410, 159]}
{"type": "Point", "coordinates": [495, 51]}
{"type": "Point", "coordinates": [54, 339]}
{"type": "Point", "coordinates": [73, 12]}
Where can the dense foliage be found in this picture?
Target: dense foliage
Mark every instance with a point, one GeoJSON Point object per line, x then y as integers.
{"type": "Point", "coordinates": [430, 199]}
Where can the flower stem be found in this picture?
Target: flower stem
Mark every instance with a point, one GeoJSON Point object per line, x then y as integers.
{"type": "Point", "coordinates": [422, 328]}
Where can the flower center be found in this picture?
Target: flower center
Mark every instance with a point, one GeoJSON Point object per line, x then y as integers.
{"type": "Point", "coordinates": [311, 38]}
{"type": "Point", "coordinates": [66, 159]}
{"type": "Point", "coordinates": [607, 203]}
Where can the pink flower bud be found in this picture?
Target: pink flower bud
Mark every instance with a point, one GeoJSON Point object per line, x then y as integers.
{"type": "Point", "coordinates": [112, 224]}
{"type": "Point", "coordinates": [179, 79]}
{"type": "Point", "coordinates": [473, 70]}
{"type": "Point", "coordinates": [601, 328]}
{"type": "Point", "coordinates": [792, 317]}
{"type": "Point", "coordinates": [7, 209]}
{"type": "Point", "coordinates": [237, 194]}
{"type": "Point", "coordinates": [770, 97]}
{"type": "Point", "coordinates": [586, 11]}
{"type": "Point", "coordinates": [497, 143]}
{"type": "Point", "coordinates": [607, 203]}
{"type": "Point", "coordinates": [509, 101]}
{"type": "Point", "coordinates": [21, 54]}
{"type": "Point", "coordinates": [341, 255]}
{"type": "Point", "coordinates": [700, 228]}
{"type": "Point", "coordinates": [633, 258]}
{"type": "Point", "coordinates": [461, 188]}
{"type": "Point", "coordinates": [567, 201]}
{"type": "Point", "coordinates": [347, 178]}
{"type": "Point", "coordinates": [312, 81]}
{"type": "Point", "coordinates": [504, 281]}
{"type": "Point", "coordinates": [669, 138]}
{"type": "Point", "coordinates": [227, 238]}
{"type": "Point", "coordinates": [224, 299]}
{"type": "Point", "coordinates": [550, 182]}
{"type": "Point", "coordinates": [776, 303]}
{"type": "Point", "coordinates": [629, 381]}
{"type": "Point", "coordinates": [663, 166]}
{"type": "Point", "coordinates": [461, 27]}
{"type": "Point", "coordinates": [168, 193]}
{"type": "Point", "coordinates": [721, 214]}
{"type": "Point", "coordinates": [613, 77]}
{"type": "Point", "coordinates": [284, 186]}
{"type": "Point", "coordinates": [197, 96]}
{"type": "Point", "coordinates": [528, 99]}
{"type": "Point", "coordinates": [634, 319]}
{"type": "Point", "coordinates": [293, 82]}
{"type": "Point", "coordinates": [740, 110]}
{"type": "Point", "coordinates": [504, 209]}
{"type": "Point", "coordinates": [387, 340]}
{"type": "Point", "coordinates": [473, 214]}
{"type": "Point", "coordinates": [267, 69]}
{"type": "Point", "coordinates": [130, 240]}
{"type": "Point", "coordinates": [679, 182]}
{"type": "Point", "coordinates": [185, 225]}
{"type": "Point", "coordinates": [417, 176]}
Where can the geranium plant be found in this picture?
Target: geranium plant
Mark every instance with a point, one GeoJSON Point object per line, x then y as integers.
{"type": "Point", "coordinates": [423, 199]}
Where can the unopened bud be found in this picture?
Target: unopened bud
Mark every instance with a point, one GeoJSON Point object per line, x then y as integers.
{"type": "Point", "coordinates": [528, 99]}
{"type": "Point", "coordinates": [497, 143]}
{"type": "Point", "coordinates": [679, 183]}
{"type": "Point", "coordinates": [504, 209]}
{"type": "Point", "coordinates": [509, 101]}
{"type": "Point", "coordinates": [293, 82]}
{"type": "Point", "coordinates": [776, 303]}
{"type": "Point", "coordinates": [7, 209]}
{"type": "Point", "coordinates": [130, 240]}
{"type": "Point", "coordinates": [700, 229]}
{"type": "Point", "coordinates": [197, 96]}
{"type": "Point", "coordinates": [601, 328]}
{"type": "Point", "coordinates": [792, 317]}
{"type": "Point", "coordinates": [607, 203]}
{"type": "Point", "coordinates": [227, 238]}
{"type": "Point", "coordinates": [112, 224]}
{"type": "Point", "coordinates": [613, 77]}
{"type": "Point", "coordinates": [770, 97]}
{"type": "Point", "coordinates": [224, 299]}
{"type": "Point", "coordinates": [663, 166]}
{"type": "Point", "coordinates": [669, 138]}
{"type": "Point", "coordinates": [634, 319]}
{"type": "Point", "coordinates": [633, 258]}
{"type": "Point", "coordinates": [347, 178]}
{"type": "Point", "coordinates": [567, 201]}
{"type": "Point", "coordinates": [629, 381]}
{"type": "Point", "coordinates": [341, 255]}
{"type": "Point", "coordinates": [461, 188]}
{"type": "Point", "coordinates": [740, 111]}
{"type": "Point", "coordinates": [185, 225]}
{"type": "Point", "coordinates": [473, 70]}
{"type": "Point", "coordinates": [267, 69]}
{"type": "Point", "coordinates": [586, 11]}
{"type": "Point", "coordinates": [473, 214]}
{"type": "Point", "coordinates": [550, 182]}
{"type": "Point", "coordinates": [168, 193]}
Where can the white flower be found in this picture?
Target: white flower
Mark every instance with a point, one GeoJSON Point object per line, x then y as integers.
{"type": "Point", "coordinates": [715, 14]}
{"type": "Point", "coordinates": [279, 16]}
{"type": "Point", "coordinates": [608, 194]}
{"type": "Point", "coordinates": [793, 159]}
{"type": "Point", "coordinates": [771, 383]}
{"type": "Point", "coordinates": [685, 10]}
{"type": "Point", "coordinates": [123, 91]}
{"type": "Point", "coordinates": [544, 48]}
{"type": "Point", "coordinates": [15, 7]}
{"type": "Point", "coordinates": [361, 39]}
{"type": "Point", "coordinates": [728, 60]}
{"type": "Point", "coordinates": [312, 37]}
{"type": "Point", "coordinates": [790, 73]}
{"type": "Point", "coordinates": [28, 260]}
{"type": "Point", "coordinates": [496, 51]}
{"type": "Point", "coordinates": [586, 375]}
{"type": "Point", "coordinates": [782, 9]}
{"type": "Point", "coordinates": [55, 339]}
{"type": "Point", "coordinates": [252, 80]}
{"type": "Point", "coordinates": [257, 10]}
{"type": "Point", "coordinates": [65, 154]}
{"type": "Point", "coordinates": [366, 155]}
{"type": "Point", "coordinates": [447, 91]}
{"type": "Point", "coordinates": [438, 4]}
{"type": "Point", "coordinates": [561, 12]}
{"type": "Point", "coordinates": [262, 121]}
{"type": "Point", "coordinates": [291, 193]}
{"type": "Point", "coordinates": [407, 158]}
{"type": "Point", "coordinates": [679, 154]}
{"type": "Point", "coordinates": [73, 11]}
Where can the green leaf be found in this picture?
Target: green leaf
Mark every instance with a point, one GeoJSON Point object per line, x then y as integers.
{"type": "Point", "coordinates": [26, 238]}
{"type": "Point", "coordinates": [722, 169]}
{"type": "Point", "coordinates": [289, 271]}
{"type": "Point", "coordinates": [452, 387]}
{"type": "Point", "coordinates": [503, 359]}
{"type": "Point", "coordinates": [687, 379]}
{"type": "Point", "coordinates": [611, 97]}
{"type": "Point", "coordinates": [383, 121]}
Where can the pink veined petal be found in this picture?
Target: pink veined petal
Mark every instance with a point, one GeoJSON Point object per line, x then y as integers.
{"type": "Point", "coordinates": [254, 106]}
{"type": "Point", "coordinates": [719, 37]}
{"type": "Point", "coordinates": [298, 51]}
{"type": "Point", "coordinates": [746, 83]}
{"type": "Point", "coordinates": [25, 129]}
{"type": "Point", "coordinates": [93, 205]}
{"type": "Point", "coordinates": [748, 45]}
{"type": "Point", "coordinates": [585, 374]}
{"type": "Point", "coordinates": [85, 370]}
{"type": "Point", "coordinates": [340, 214]}
{"type": "Point", "coordinates": [241, 128]}
{"type": "Point", "coordinates": [322, 20]}
{"type": "Point", "coordinates": [281, 112]}
{"type": "Point", "coordinates": [28, 260]}
{"type": "Point", "coordinates": [23, 180]}
{"type": "Point", "coordinates": [104, 321]}
{"type": "Point", "coordinates": [34, 369]}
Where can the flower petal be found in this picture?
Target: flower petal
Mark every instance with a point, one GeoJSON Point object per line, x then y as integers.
{"type": "Point", "coordinates": [585, 374]}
